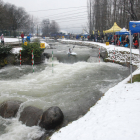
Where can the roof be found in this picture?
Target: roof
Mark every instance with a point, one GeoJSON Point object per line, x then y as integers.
{"type": "Point", "coordinates": [113, 29]}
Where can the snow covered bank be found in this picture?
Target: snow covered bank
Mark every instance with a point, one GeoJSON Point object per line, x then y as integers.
{"type": "Point", "coordinates": [114, 117]}
{"type": "Point", "coordinates": [116, 53]}
{"type": "Point", "coordinates": [97, 44]}
{"type": "Point", "coordinates": [7, 40]}
{"type": "Point", "coordinates": [16, 50]}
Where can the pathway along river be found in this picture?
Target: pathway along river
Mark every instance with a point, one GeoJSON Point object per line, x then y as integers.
{"type": "Point", "coordinates": [76, 84]}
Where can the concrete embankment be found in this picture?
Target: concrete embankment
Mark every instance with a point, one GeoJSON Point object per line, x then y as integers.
{"type": "Point", "coordinates": [111, 53]}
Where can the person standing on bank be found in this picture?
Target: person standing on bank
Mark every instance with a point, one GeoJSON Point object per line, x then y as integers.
{"type": "Point", "coordinates": [28, 38]}
{"type": "Point", "coordinates": [22, 36]}
{"type": "Point", "coordinates": [2, 39]}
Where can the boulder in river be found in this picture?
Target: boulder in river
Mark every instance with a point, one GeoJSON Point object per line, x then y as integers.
{"type": "Point", "coordinates": [9, 109]}
{"type": "Point", "coordinates": [52, 118]}
{"type": "Point", "coordinates": [31, 115]}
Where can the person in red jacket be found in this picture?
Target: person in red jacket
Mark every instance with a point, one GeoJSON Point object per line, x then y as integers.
{"type": "Point", "coordinates": [136, 44]}
{"type": "Point", "coordinates": [22, 36]}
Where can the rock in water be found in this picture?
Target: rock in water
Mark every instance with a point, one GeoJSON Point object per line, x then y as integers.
{"type": "Point", "coordinates": [52, 118]}
{"type": "Point", "coordinates": [9, 109]}
{"type": "Point", "coordinates": [31, 115]}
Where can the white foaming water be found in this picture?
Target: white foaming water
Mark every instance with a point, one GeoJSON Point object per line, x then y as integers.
{"type": "Point", "coordinates": [15, 130]}
{"type": "Point", "coordinates": [72, 87]}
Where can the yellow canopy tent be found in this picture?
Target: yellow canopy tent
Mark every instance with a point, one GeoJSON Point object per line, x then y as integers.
{"type": "Point", "coordinates": [114, 28]}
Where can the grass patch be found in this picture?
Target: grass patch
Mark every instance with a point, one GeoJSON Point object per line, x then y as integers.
{"type": "Point", "coordinates": [135, 78]}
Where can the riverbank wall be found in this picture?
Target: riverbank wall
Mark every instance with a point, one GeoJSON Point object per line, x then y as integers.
{"type": "Point", "coordinates": [110, 53]}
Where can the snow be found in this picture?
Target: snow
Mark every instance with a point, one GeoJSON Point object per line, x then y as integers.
{"type": "Point", "coordinates": [114, 117]}
{"type": "Point", "coordinates": [109, 47]}
{"type": "Point", "coordinates": [11, 39]}
{"type": "Point", "coordinates": [17, 49]}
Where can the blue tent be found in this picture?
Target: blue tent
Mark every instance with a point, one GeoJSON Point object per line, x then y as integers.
{"type": "Point", "coordinates": [122, 33]}
{"type": "Point", "coordinates": [134, 26]}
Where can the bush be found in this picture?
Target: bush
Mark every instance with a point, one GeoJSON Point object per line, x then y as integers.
{"type": "Point", "coordinates": [5, 50]}
{"type": "Point", "coordinates": [27, 50]}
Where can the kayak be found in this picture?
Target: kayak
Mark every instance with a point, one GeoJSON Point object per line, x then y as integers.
{"type": "Point", "coordinates": [72, 53]}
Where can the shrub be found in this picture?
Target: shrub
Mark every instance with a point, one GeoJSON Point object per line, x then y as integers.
{"type": "Point", "coordinates": [27, 50]}
{"type": "Point", "coordinates": [5, 50]}
{"type": "Point", "coordinates": [135, 78]}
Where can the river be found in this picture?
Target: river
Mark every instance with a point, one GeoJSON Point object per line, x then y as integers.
{"type": "Point", "coordinates": [73, 83]}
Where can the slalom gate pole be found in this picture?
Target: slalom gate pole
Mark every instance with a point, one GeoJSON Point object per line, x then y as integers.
{"type": "Point", "coordinates": [52, 61]}
{"type": "Point", "coordinates": [99, 54]}
{"type": "Point", "coordinates": [114, 55]}
{"type": "Point", "coordinates": [20, 57]}
{"type": "Point", "coordinates": [33, 60]}
{"type": "Point", "coordinates": [131, 55]}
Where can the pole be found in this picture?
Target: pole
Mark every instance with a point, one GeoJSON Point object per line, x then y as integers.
{"type": "Point", "coordinates": [90, 19]}
{"type": "Point", "coordinates": [130, 55]}
{"type": "Point", "coordinates": [18, 39]}
{"type": "Point", "coordinates": [52, 61]}
{"type": "Point", "coordinates": [20, 58]}
{"type": "Point", "coordinates": [33, 60]}
{"type": "Point", "coordinates": [114, 55]}
{"type": "Point", "coordinates": [99, 54]}
{"type": "Point", "coordinates": [37, 31]}
{"type": "Point", "coordinates": [18, 34]}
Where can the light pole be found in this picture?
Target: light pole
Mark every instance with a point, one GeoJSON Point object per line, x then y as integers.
{"type": "Point", "coordinates": [18, 29]}
{"type": "Point", "coordinates": [37, 31]}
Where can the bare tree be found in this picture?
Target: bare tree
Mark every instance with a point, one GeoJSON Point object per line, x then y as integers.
{"type": "Point", "coordinates": [54, 27]}
{"type": "Point", "coordinates": [45, 27]}
{"type": "Point", "coordinates": [13, 18]}
{"type": "Point", "coordinates": [106, 12]}
{"type": "Point", "coordinates": [49, 28]}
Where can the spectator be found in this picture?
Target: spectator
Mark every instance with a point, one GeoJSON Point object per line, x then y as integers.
{"type": "Point", "coordinates": [126, 41]}
{"type": "Point", "coordinates": [28, 38]}
{"type": "Point", "coordinates": [88, 37]}
{"type": "Point", "coordinates": [2, 39]}
{"type": "Point", "coordinates": [22, 36]}
{"type": "Point", "coordinates": [122, 40]}
{"type": "Point", "coordinates": [96, 38]}
{"type": "Point", "coordinates": [105, 37]}
{"type": "Point", "coordinates": [135, 44]}
{"type": "Point", "coordinates": [118, 41]}
{"type": "Point", "coordinates": [135, 37]}
{"type": "Point", "coordinates": [110, 37]}
{"type": "Point", "coordinates": [102, 38]}
{"type": "Point", "coordinates": [92, 37]}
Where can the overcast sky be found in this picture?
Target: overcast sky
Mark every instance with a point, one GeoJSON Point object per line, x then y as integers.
{"type": "Point", "coordinates": [63, 12]}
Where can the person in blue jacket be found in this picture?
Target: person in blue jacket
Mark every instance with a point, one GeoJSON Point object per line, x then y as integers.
{"type": "Point", "coordinates": [28, 38]}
